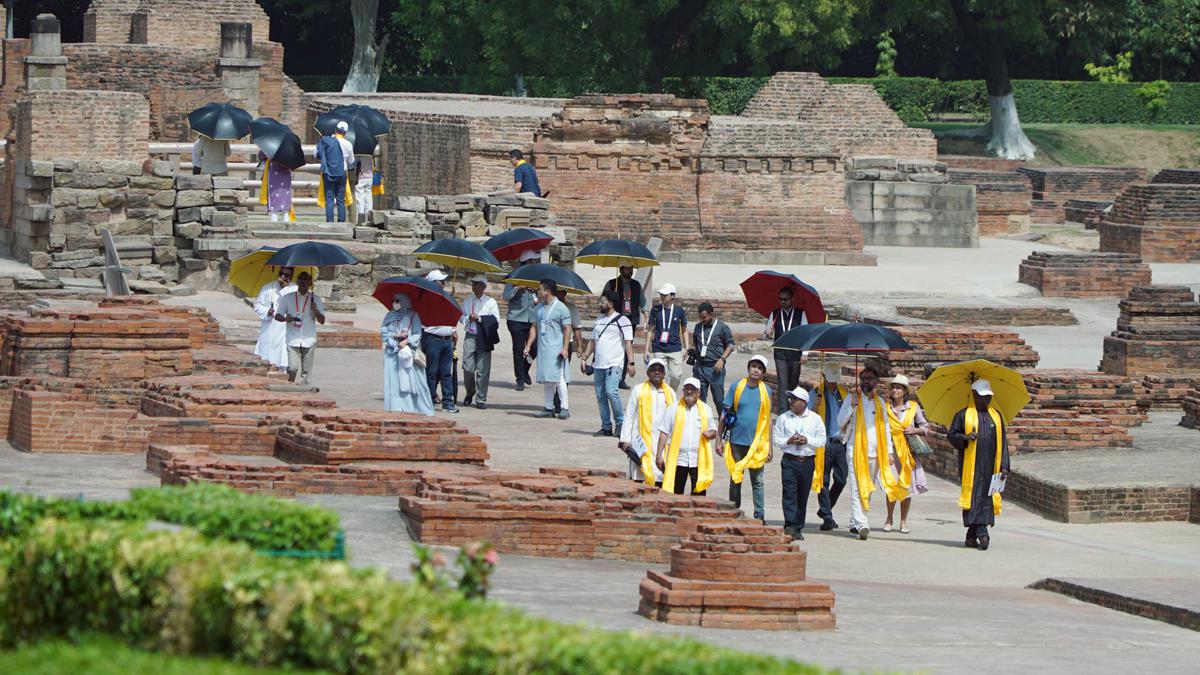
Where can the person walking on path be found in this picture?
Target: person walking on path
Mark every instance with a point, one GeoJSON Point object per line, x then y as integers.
{"type": "Point", "coordinates": [482, 316]}
{"type": "Point", "coordinates": [552, 334]}
{"type": "Point", "coordinates": [336, 156]}
{"type": "Point", "coordinates": [275, 193]}
{"type": "Point", "coordinates": [439, 342]}
{"type": "Point", "coordinates": [979, 434]}
{"type": "Point", "coordinates": [685, 436]}
{"type": "Point", "coordinates": [907, 423]}
{"type": "Point", "coordinates": [272, 334]}
{"type": "Point", "coordinates": [830, 467]}
{"type": "Point", "coordinates": [521, 315]}
{"type": "Point", "coordinates": [576, 339]}
{"type": "Point", "coordinates": [364, 166]}
{"type": "Point", "coordinates": [631, 302]}
{"type": "Point", "coordinates": [405, 386]}
{"type": "Point", "coordinates": [748, 407]}
{"type": "Point", "coordinates": [787, 361]}
{"type": "Point", "coordinates": [647, 401]}
{"type": "Point", "coordinates": [863, 421]}
{"type": "Point", "coordinates": [797, 433]}
{"type": "Point", "coordinates": [304, 310]}
{"type": "Point", "coordinates": [612, 345]}
{"type": "Point", "coordinates": [667, 335]}
{"type": "Point", "coordinates": [711, 346]}
{"type": "Point", "coordinates": [524, 176]}
{"type": "Point", "coordinates": [210, 157]}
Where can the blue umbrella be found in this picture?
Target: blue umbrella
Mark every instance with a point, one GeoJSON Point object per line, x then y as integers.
{"type": "Point", "coordinates": [801, 338]}
{"type": "Point", "coordinates": [458, 253]}
{"type": "Point", "coordinates": [531, 276]}
{"type": "Point", "coordinates": [220, 121]}
{"type": "Point", "coordinates": [312, 253]}
{"type": "Point", "coordinates": [859, 337]}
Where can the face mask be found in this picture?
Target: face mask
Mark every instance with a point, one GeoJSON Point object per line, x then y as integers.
{"type": "Point", "coordinates": [397, 306]}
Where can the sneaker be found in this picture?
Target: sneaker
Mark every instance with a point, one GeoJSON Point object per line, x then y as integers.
{"type": "Point", "coordinates": [854, 531]}
{"type": "Point", "coordinates": [863, 533]}
{"type": "Point", "coordinates": [520, 386]}
{"type": "Point", "coordinates": [829, 525]}
{"type": "Point", "coordinates": [564, 415]}
{"type": "Point", "coordinates": [467, 400]}
{"type": "Point", "coordinates": [602, 432]}
{"type": "Point", "coordinates": [481, 405]}
{"type": "Point", "coordinates": [450, 408]}
{"type": "Point", "coordinates": [545, 414]}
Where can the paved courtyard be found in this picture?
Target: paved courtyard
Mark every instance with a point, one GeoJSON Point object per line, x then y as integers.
{"type": "Point", "coordinates": [904, 602]}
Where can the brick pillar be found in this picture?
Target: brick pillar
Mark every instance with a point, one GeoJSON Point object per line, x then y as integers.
{"type": "Point", "coordinates": [239, 72]}
{"type": "Point", "coordinates": [45, 67]}
{"type": "Point", "coordinates": [139, 28]}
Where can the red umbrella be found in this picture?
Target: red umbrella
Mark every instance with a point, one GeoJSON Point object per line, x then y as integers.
{"type": "Point", "coordinates": [762, 294]}
{"type": "Point", "coordinates": [511, 244]}
{"type": "Point", "coordinates": [431, 302]}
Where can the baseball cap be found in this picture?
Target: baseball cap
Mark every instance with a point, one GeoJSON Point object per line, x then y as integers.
{"type": "Point", "coordinates": [436, 275]}
{"type": "Point", "coordinates": [343, 127]}
{"type": "Point", "coordinates": [656, 362]}
{"type": "Point", "coordinates": [799, 393]}
{"type": "Point", "coordinates": [692, 381]}
{"type": "Point", "coordinates": [982, 387]}
{"type": "Point", "coordinates": [667, 289]}
{"type": "Point", "coordinates": [479, 279]}
{"type": "Point", "coordinates": [760, 358]}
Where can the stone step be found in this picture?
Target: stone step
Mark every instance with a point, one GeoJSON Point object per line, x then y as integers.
{"type": "Point", "coordinates": [330, 234]}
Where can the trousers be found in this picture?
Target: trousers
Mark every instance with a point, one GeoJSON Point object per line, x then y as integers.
{"type": "Point", "coordinates": [834, 480]}
{"type": "Point", "coordinates": [756, 484]}
{"type": "Point", "coordinates": [477, 369]}
{"type": "Point", "coordinates": [335, 193]}
{"type": "Point", "coordinates": [608, 397]}
{"type": "Point", "coordinates": [362, 195]}
{"type": "Point", "coordinates": [439, 366]}
{"type": "Point", "coordinates": [858, 515]}
{"type": "Point", "coordinates": [300, 363]}
{"type": "Point", "coordinates": [710, 380]}
{"type": "Point", "coordinates": [519, 330]}
{"type": "Point", "coordinates": [682, 475]}
{"type": "Point", "coordinates": [789, 376]}
{"type": "Point", "coordinates": [797, 483]}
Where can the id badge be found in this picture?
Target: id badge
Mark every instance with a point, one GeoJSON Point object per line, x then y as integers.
{"type": "Point", "coordinates": [665, 337]}
{"type": "Point", "coordinates": [298, 323]}
{"type": "Point", "coordinates": [628, 308]}
{"type": "Point", "coordinates": [471, 327]}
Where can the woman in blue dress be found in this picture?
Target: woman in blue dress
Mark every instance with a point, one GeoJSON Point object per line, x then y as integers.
{"type": "Point", "coordinates": [405, 387]}
{"type": "Point", "coordinates": [553, 334]}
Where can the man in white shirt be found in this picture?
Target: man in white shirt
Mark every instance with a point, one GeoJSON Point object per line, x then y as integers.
{"type": "Point", "coordinates": [612, 344]}
{"type": "Point", "coordinates": [861, 451]}
{"type": "Point", "coordinates": [684, 442]}
{"type": "Point", "coordinates": [365, 165]}
{"type": "Point", "coordinates": [209, 156]}
{"type": "Point", "coordinates": [647, 401]}
{"type": "Point", "coordinates": [438, 343]}
{"type": "Point", "coordinates": [301, 310]}
{"type": "Point", "coordinates": [272, 334]}
{"type": "Point", "coordinates": [481, 315]}
{"type": "Point", "coordinates": [797, 433]}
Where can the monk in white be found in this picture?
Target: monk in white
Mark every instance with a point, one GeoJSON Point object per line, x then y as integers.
{"type": "Point", "coordinates": [272, 335]}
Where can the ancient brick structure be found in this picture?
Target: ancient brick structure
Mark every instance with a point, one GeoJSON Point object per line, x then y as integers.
{"type": "Point", "coordinates": [935, 345]}
{"type": "Point", "coordinates": [421, 218]}
{"type": "Point", "coordinates": [1177, 176]}
{"type": "Point", "coordinates": [561, 513]}
{"type": "Point", "coordinates": [1083, 275]}
{"type": "Point", "coordinates": [909, 203]}
{"type": "Point", "coordinates": [1158, 337]}
{"type": "Point", "coordinates": [981, 163]}
{"type": "Point", "coordinates": [1086, 212]}
{"type": "Point", "coordinates": [1002, 199]}
{"type": "Point", "coordinates": [956, 315]}
{"type": "Point", "coordinates": [1191, 409]}
{"type": "Point", "coordinates": [737, 576]}
{"type": "Point", "coordinates": [1054, 185]}
{"type": "Point", "coordinates": [1159, 222]}
{"type": "Point", "coordinates": [341, 437]}
{"type": "Point", "coordinates": [1116, 398]}
{"type": "Point", "coordinates": [852, 117]}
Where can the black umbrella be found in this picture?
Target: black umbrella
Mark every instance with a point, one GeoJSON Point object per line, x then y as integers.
{"type": "Point", "coordinates": [531, 276]}
{"type": "Point", "coordinates": [859, 337]}
{"type": "Point", "coordinates": [376, 121]}
{"type": "Point", "coordinates": [458, 253]}
{"type": "Point", "coordinates": [801, 338]}
{"type": "Point", "coordinates": [314, 253]}
{"type": "Point", "coordinates": [358, 133]}
{"type": "Point", "coordinates": [277, 142]}
{"type": "Point", "coordinates": [220, 121]}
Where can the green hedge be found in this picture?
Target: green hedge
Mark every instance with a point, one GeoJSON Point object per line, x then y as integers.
{"type": "Point", "coordinates": [214, 510]}
{"type": "Point", "coordinates": [176, 592]}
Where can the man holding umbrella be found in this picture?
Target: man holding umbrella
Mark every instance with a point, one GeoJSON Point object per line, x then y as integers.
{"type": "Point", "coordinates": [438, 343]}
{"type": "Point", "coordinates": [521, 315]}
{"type": "Point", "coordinates": [272, 334]}
{"type": "Point", "coordinates": [979, 435]}
{"type": "Point", "coordinates": [787, 361]}
{"type": "Point", "coordinates": [301, 310]}
{"type": "Point", "coordinates": [482, 333]}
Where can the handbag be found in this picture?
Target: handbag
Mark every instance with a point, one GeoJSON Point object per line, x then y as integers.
{"type": "Point", "coordinates": [919, 446]}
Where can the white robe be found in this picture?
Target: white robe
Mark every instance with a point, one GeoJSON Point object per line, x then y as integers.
{"type": "Point", "coordinates": [272, 334]}
{"type": "Point", "coordinates": [630, 433]}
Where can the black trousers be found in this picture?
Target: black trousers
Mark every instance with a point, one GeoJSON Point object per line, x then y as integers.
{"type": "Point", "coordinates": [519, 330]}
{"type": "Point", "coordinates": [682, 474]}
{"type": "Point", "coordinates": [835, 479]}
{"type": "Point", "coordinates": [797, 483]}
{"type": "Point", "coordinates": [977, 531]}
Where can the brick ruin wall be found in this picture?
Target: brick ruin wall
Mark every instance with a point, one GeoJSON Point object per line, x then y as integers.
{"type": "Point", "coordinates": [1159, 222]}
{"type": "Point", "coordinates": [172, 22]}
{"type": "Point", "coordinates": [1052, 186]}
{"type": "Point", "coordinates": [1083, 275]}
{"type": "Point", "coordinates": [1157, 338]}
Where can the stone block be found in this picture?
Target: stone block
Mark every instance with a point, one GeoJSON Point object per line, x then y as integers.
{"type": "Point", "coordinates": [90, 181]}
{"type": "Point", "coordinates": [190, 198]}
{"type": "Point", "coordinates": [189, 182]}
{"type": "Point", "coordinates": [226, 183]}
{"type": "Point", "coordinates": [409, 204]}
{"type": "Point", "coordinates": [163, 169]}
{"type": "Point", "coordinates": [36, 169]}
{"type": "Point", "coordinates": [164, 254]}
{"type": "Point", "coordinates": [861, 162]}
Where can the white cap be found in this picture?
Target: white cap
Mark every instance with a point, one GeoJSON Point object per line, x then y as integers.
{"type": "Point", "coordinates": [901, 380]}
{"type": "Point", "coordinates": [436, 275]}
{"type": "Point", "coordinates": [760, 358]}
{"type": "Point", "coordinates": [832, 374]}
{"type": "Point", "coordinates": [343, 127]}
{"type": "Point", "coordinates": [479, 279]}
{"type": "Point", "coordinates": [982, 387]}
{"type": "Point", "coordinates": [667, 289]}
{"type": "Point", "coordinates": [799, 392]}
{"type": "Point", "coordinates": [625, 262]}
{"type": "Point", "coordinates": [529, 255]}
{"type": "Point", "coordinates": [656, 362]}
{"type": "Point", "coordinates": [691, 381]}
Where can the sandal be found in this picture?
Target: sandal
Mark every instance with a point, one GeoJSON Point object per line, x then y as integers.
{"type": "Point", "coordinates": [904, 530]}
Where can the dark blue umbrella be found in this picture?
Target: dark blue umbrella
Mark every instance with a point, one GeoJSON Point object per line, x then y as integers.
{"type": "Point", "coordinates": [801, 338]}
{"type": "Point", "coordinates": [458, 253]}
{"type": "Point", "coordinates": [511, 244]}
{"type": "Point", "coordinates": [358, 133]}
{"type": "Point", "coordinates": [314, 253]}
{"type": "Point", "coordinates": [376, 121]}
{"type": "Point", "coordinates": [220, 121]}
{"type": "Point", "coordinates": [859, 337]}
{"type": "Point", "coordinates": [278, 142]}
{"type": "Point", "coordinates": [616, 253]}
{"type": "Point", "coordinates": [431, 302]}
{"type": "Point", "coordinates": [531, 276]}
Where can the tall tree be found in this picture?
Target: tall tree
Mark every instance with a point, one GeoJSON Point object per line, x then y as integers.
{"type": "Point", "coordinates": [369, 50]}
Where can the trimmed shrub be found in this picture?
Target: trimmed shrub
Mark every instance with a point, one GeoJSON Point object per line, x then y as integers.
{"type": "Point", "coordinates": [216, 511]}
{"type": "Point", "coordinates": [725, 95]}
{"type": "Point", "coordinates": [176, 592]}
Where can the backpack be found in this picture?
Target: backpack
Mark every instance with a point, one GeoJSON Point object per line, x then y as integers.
{"type": "Point", "coordinates": [333, 162]}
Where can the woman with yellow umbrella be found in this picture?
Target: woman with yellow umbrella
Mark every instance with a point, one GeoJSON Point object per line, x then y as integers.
{"type": "Point", "coordinates": [985, 397]}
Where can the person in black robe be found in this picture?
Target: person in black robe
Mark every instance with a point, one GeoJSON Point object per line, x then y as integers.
{"type": "Point", "coordinates": [977, 518]}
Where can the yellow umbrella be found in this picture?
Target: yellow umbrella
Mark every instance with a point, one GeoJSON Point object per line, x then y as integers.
{"type": "Point", "coordinates": [948, 390]}
{"type": "Point", "coordinates": [250, 272]}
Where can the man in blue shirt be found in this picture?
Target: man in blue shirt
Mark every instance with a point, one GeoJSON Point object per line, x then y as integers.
{"type": "Point", "coordinates": [524, 177]}
{"type": "Point", "coordinates": [667, 335]}
{"type": "Point", "coordinates": [749, 399]}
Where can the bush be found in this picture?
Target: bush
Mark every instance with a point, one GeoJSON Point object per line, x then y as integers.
{"type": "Point", "coordinates": [96, 655]}
{"type": "Point", "coordinates": [213, 510]}
{"type": "Point", "coordinates": [176, 592]}
{"type": "Point", "coordinates": [725, 95]}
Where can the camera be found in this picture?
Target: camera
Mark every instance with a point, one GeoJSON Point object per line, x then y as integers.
{"type": "Point", "coordinates": [693, 356]}
{"type": "Point", "coordinates": [588, 369]}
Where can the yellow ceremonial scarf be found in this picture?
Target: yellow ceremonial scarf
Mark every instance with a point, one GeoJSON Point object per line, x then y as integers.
{"type": "Point", "coordinates": [897, 424]}
{"type": "Point", "coordinates": [971, 425]}
{"type": "Point", "coordinates": [862, 464]}
{"type": "Point", "coordinates": [646, 426]}
{"type": "Point", "coordinates": [704, 461]}
{"type": "Point", "coordinates": [818, 481]}
{"type": "Point", "coordinates": [756, 456]}
{"type": "Point", "coordinates": [520, 162]}
{"type": "Point", "coordinates": [321, 191]}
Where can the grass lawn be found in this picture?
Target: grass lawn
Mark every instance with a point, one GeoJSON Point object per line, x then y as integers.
{"type": "Point", "coordinates": [1152, 147]}
{"type": "Point", "coordinates": [104, 656]}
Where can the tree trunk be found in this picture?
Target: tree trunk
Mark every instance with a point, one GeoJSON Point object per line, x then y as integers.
{"type": "Point", "coordinates": [8, 19]}
{"type": "Point", "coordinates": [368, 54]}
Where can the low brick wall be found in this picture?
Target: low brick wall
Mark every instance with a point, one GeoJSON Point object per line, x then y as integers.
{"type": "Point", "coordinates": [990, 316]}
{"type": "Point", "coordinates": [1053, 186]}
{"type": "Point", "coordinates": [1003, 199]}
{"type": "Point", "coordinates": [342, 436]}
{"type": "Point", "coordinates": [1115, 398]}
{"type": "Point", "coordinates": [1159, 222]}
{"type": "Point", "coordinates": [338, 336]}
{"type": "Point", "coordinates": [47, 421]}
{"type": "Point", "coordinates": [207, 395]}
{"type": "Point", "coordinates": [1086, 212]}
{"type": "Point", "coordinates": [1158, 334]}
{"type": "Point", "coordinates": [1177, 615]}
{"type": "Point", "coordinates": [1083, 275]}
{"type": "Point", "coordinates": [1191, 409]}
{"type": "Point", "coordinates": [933, 345]}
